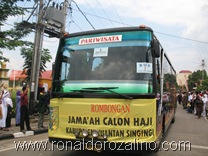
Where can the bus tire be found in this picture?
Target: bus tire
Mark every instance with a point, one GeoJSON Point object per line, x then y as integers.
{"type": "Point", "coordinates": [158, 144]}
{"type": "Point", "coordinates": [159, 140]}
{"type": "Point", "coordinates": [163, 125]}
{"type": "Point", "coordinates": [173, 119]}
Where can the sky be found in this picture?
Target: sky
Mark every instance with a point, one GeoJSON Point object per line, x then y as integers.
{"type": "Point", "coordinates": [180, 25]}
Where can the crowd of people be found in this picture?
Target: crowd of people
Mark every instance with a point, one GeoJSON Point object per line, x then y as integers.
{"type": "Point", "coordinates": [195, 102]}
{"type": "Point", "coordinates": [21, 109]}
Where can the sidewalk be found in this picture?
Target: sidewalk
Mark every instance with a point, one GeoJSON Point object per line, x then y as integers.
{"type": "Point", "coordinates": [14, 131]}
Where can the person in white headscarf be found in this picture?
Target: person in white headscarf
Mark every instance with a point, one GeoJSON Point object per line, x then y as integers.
{"type": "Point", "coordinates": [6, 101]}
{"type": "Point", "coordinates": [205, 102]}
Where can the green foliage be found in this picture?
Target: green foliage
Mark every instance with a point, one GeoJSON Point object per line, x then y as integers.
{"type": "Point", "coordinates": [27, 54]}
{"type": "Point", "coordinates": [171, 80]}
{"type": "Point", "coordinates": [205, 84]}
{"type": "Point", "coordinates": [10, 39]}
{"type": "Point", "coordinates": [9, 8]}
{"type": "Point", "coordinates": [14, 107]}
{"type": "Point", "coordinates": [195, 80]}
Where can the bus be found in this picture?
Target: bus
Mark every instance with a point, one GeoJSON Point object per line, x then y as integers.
{"type": "Point", "coordinates": [111, 88]}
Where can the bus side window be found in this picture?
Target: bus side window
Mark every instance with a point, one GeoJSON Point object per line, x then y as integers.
{"type": "Point", "coordinates": [159, 96]}
{"type": "Point", "coordinates": [158, 71]}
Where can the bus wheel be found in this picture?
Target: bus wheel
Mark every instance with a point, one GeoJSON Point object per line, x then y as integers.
{"type": "Point", "coordinates": [173, 119]}
{"type": "Point", "coordinates": [158, 143]}
{"type": "Point", "coordinates": [163, 125]}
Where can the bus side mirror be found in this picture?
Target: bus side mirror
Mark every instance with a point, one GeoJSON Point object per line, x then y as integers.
{"type": "Point", "coordinates": [156, 48]}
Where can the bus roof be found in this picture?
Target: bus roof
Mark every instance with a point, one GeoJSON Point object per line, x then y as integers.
{"type": "Point", "coordinates": [109, 30]}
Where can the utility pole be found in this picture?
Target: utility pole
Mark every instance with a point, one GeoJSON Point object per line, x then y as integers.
{"type": "Point", "coordinates": [65, 4]}
{"type": "Point", "coordinates": [203, 65]}
{"type": "Point", "coordinates": [54, 19]}
{"type": "Point", "coordinates": [36, 57]}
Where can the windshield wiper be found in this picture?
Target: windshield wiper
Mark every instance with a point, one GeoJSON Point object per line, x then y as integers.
{"type": "Point", "coordinates": [80, 91]}
{"type": "Point", "coordinates": [86, 91]}
{"type": "Point", "coordinates": [109, 89]}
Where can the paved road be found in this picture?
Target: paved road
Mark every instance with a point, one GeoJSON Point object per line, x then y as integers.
{"type": "Point", "coordinates": [187, 128]}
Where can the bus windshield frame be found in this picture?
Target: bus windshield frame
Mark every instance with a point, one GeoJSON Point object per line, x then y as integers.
{"type": "Point", "coordinates": [102, 60]}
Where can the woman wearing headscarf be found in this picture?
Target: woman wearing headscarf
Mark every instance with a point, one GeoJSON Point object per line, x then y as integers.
{"type": "Point", "coordinates": [18, 96]}
{"type": "Point", "coordinates": [6, 101]}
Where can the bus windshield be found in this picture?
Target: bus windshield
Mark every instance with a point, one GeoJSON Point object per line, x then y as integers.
{"type": "Point", "coordinates": [126, 65]}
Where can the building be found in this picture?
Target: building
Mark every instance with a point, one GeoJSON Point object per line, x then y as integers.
{"type": "Point", "coordinates": [182, 78]}
{"type": "Point", "coordinates": [45, 80]}
{"type": "Point", "coordinates": [3, 73]}
{"type": "Point", "coordinates": [17, 75]}
{"type": "Point", "coordinates": [16, 79]}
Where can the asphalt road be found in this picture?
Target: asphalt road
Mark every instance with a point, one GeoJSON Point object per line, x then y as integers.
{"type": "Point", "coordinates": [188, 136]}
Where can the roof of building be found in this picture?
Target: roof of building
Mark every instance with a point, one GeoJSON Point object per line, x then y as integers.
{"type": "Point", "coordinates": [19, 74]}
{"type": "Point", "coordinates": [16, 75]}
{"type": "Point", "coordinates": [185, 71]}
{"type": "Point", "coordinates": [47, 75]}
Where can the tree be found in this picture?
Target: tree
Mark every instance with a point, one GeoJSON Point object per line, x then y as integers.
{"type": "Point", "coordinates": [27, 54]}
{"type": "Point", "coordinates": [169, 82]}
{"type": "Point", "coordinates": [195, 80]}
{"type": "Point", "coordinates": [9, 39]}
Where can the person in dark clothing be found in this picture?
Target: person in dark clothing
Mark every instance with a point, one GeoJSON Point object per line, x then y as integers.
{"type": "Point", "coordinates": [9, 116]}
{"type": "Point", "coordinates": [179, 98]}
{"type": "Point", "coordinates": [199, 105]}
{"type": "Point", "coordinates": [42, 107]}
{"type": "Point", "coordinates": [24, 113]}
{"type": "Point", "coordinates": [18, 96]}
{"type": "Point", "coordinates": [185, 100]}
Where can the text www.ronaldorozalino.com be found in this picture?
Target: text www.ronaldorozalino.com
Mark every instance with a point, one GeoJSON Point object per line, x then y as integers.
{"type": "Point", "coordinates": [97, 146]}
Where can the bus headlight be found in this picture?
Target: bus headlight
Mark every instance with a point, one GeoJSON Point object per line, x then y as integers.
{"type": "Point", "coordinates": [105, 136]}
{"type": "Point", "coordinates": [76, 133]}
{"type": "Point", "coordinates": [85, 133]}
{"type": "Point", "coordinates": [95, 133]}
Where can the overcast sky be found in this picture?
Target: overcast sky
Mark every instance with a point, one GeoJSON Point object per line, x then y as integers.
{"type": "Point", "coordinates": [180, 25]}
